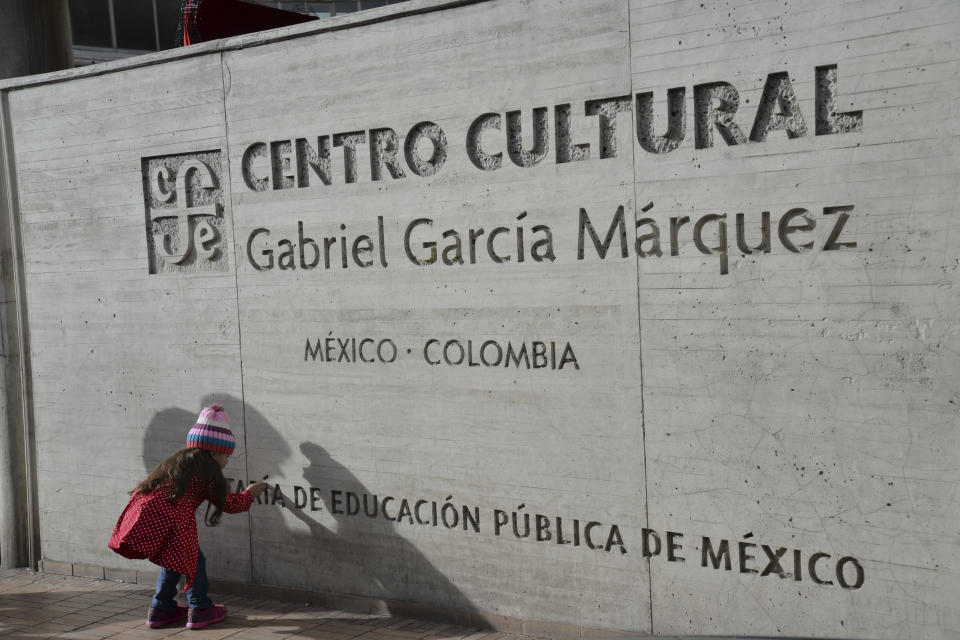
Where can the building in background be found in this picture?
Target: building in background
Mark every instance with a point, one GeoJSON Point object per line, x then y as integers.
{"type": "Point", "coordinates": [111, 29]}
{"type": "Point", "coordinates": [34, 37]}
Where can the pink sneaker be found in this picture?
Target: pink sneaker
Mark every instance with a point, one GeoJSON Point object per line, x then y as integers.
{"type": "Point", "coordinates": [200, 618]}
{"type": "Point", "coordinates": [157, 618]}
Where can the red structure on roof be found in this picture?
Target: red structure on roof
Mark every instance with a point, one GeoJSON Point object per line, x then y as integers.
{"type": "Point", "coordinates": [204, 20]}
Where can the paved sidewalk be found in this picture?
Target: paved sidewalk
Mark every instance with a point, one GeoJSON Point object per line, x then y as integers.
{"type": "Point", "coordinates": [39, 606]}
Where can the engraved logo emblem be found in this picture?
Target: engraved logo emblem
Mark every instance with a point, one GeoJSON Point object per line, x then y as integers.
{"type": "Point", "coordinates": [183, 195]}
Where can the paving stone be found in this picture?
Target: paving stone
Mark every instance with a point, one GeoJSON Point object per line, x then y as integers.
{"type": "Point", "coordinates": [76, 608]}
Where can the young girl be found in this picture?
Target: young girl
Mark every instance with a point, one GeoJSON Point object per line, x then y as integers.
{"type": "Point", "coordinates": [159, 522]}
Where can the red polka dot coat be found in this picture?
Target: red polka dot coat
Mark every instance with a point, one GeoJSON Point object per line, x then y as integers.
{"type": "Point", "coordinates": [166, 534]}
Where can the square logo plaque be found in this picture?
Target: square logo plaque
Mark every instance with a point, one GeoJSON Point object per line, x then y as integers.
{"type": "Point", "coordinates": [183, 196]}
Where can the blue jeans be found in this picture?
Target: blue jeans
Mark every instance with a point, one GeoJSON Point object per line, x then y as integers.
{"type": "Point", "coordinates": [166, 593]}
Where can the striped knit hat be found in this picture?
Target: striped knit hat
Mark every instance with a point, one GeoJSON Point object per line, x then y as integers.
{"type": "Point", "coordinates": [212, 431]}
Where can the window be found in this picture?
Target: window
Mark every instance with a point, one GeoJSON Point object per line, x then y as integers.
{"type": "Point", "coordinates": [90, 22]}
{"type": "Point", "coordinates": [345, 7]}
{"type": "Point", "coordinates": [327, 8]}
{"type": "Point", "coordinates": [136, 25]}
{"type": "Point", "coordinates": [168, 23]}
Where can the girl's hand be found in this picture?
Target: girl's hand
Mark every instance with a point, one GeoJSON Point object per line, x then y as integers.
{"type": "Point", "coordinates": [257, 488]}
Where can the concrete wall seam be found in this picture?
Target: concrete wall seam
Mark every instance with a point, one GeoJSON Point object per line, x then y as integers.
{"type": "Point", "coordinates": [12, 209]}
{"type": "Point", "coordinates": [643, 414]}
{"type": "Point", "coordinates": [225, 89]}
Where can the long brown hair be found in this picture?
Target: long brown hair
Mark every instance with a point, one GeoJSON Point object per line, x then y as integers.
{"type": "Point", "coordinates": [178, 472]}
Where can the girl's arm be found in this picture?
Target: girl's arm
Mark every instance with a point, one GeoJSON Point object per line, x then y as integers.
{"type": "Point", "coordinates": [240, 502]}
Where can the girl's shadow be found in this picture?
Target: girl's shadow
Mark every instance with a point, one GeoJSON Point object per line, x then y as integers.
{"type": "Point", "coordinates": [335, 553]}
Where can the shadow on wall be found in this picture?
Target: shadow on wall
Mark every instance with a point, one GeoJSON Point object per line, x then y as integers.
{"type": "Point", "coordinates": [349, 555]}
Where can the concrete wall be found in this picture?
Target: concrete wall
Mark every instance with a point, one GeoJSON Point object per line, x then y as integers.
{"type": "Point", "coordinates": [709, 425]}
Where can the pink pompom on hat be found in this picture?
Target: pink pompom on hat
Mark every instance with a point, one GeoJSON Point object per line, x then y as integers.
{"type": "Point", "coordinates": [212, 431]}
